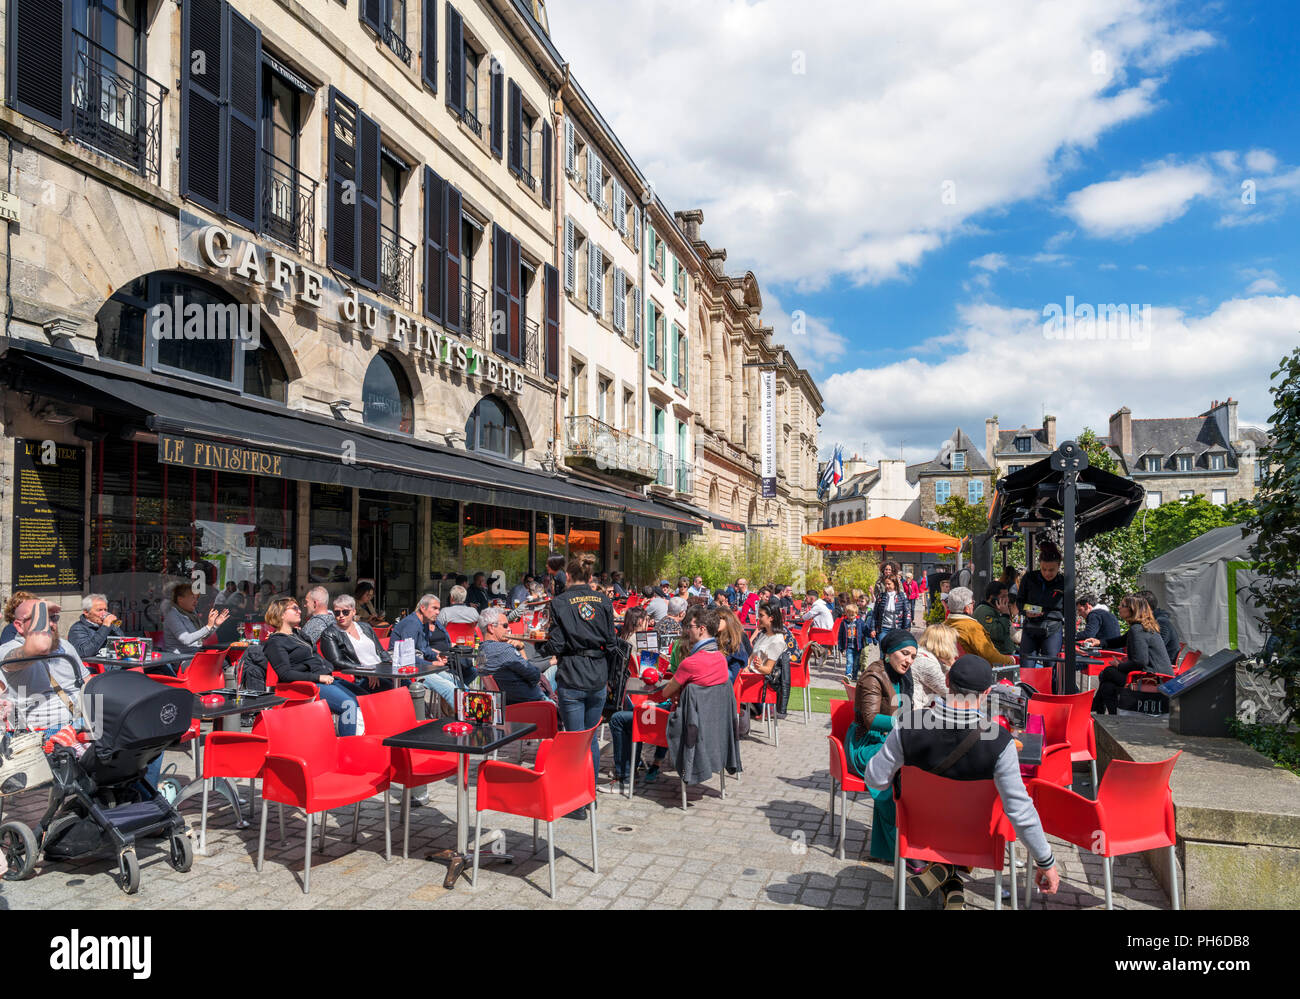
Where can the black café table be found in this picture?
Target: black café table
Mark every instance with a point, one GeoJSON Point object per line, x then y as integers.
{"type": "Point", "coordinates": [224, 716]}
{"type": "Point", "coordinates": [385, 671]}
{"type": "Point", "coordinates": [163, 664]}
{"type": "Point", "coordinates": [479, 741]}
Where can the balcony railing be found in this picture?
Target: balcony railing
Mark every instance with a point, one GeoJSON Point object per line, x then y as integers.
{"type": "Point", "coordinates": [528, 178]}
{"type": "Point", "coordinates": [666, 471]}
{"type": "Point", "coordinates": [288, 205]}
{"type": "Point", "coordinates": [473, 313]}
{"type": "Point", "coordinates": [532, 347]}
{"type": "Point", "coordinates": [116, 108]}
{"type": "Point", "coordinates": [471, 121]}
{"type": "Point", "coordinates": [685, 477]}
{"type": "Point", "coordinates": [392, 37]}
{"type": "Point", "coordinates": [594, 443]}
{"type": "Point", "coordinates": [396, 267]}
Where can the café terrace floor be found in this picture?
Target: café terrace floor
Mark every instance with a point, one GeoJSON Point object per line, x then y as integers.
{"type": "Point", "coordinates": [769, 845]}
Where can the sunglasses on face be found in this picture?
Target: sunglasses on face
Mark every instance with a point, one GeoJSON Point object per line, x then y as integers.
{"type": "Point", "coordinates": [342, 613]}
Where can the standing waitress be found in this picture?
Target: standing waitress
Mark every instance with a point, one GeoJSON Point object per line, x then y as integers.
{"type": "Point", "coordinates": [1042, 600]}
{"type": "Point", "coordinates": [582, 629]}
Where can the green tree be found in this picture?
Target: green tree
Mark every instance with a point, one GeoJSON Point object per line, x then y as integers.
{"type": "Point", "coordinates": [961, 519]}
{"type": "Point", "coordinates": [1276, 519]}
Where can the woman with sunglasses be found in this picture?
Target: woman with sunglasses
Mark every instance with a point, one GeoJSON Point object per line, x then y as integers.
{"type": "Point", "coordinates": [295, 661]}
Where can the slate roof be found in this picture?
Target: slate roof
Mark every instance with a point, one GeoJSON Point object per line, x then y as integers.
{"type": "Point", "coordinates": [975, 461]}
{"type": "Point", "coordinates": [1198, 435]}
{"type": "Point", "coordinates": [1006, 446]}
{"type": "Point", "coordinates": [857, 485]}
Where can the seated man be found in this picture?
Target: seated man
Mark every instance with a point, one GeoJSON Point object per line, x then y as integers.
{"type": "Point", "coordinates": [669, 626]}
{"type": "Point", "coordinates": [955, 733]}
{"type": "Point", "coordinates": [46, 693]}
{"type": "Point", "coordinates": [620, 588]}
{"type": "Point", "coordinates": [519, 593]}
{"type": "Point", "coordinates": [818, 610]}
{"type": "Point", "coordinates": [517, 677]}
{"type": "Point", "coordinates": [478, 595]}
{"type": "Point", "coordinates": [317, 618]}
{"type": "Point", "coordinates": [431, 646]}
{"type": "Point", "coordinates": [994, 616]}
{"type": "Point", "coordinates": [97, 625]}
{"type": "Point", "coordinates": [457, 612]}
{"type": "Point", "coordinates": [656, 605]}
{"type": "Point", "coordinates": [1098, 622]}
{"type": "Point", "coordinates": [704, 665]}
{"type": "Point", "coordinates": [971, 634]}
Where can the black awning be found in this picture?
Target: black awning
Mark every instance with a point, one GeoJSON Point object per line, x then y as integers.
{"type": "Point", "coordinates": [1110, 504]}
{"type": "Point", "coordinates": [248, 436]}
{"type": "Point", "coordinates": [719, 522]}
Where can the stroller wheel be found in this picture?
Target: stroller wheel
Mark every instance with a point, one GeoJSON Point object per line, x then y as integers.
{"type": "Point", "coordinates": [182, 852]}
{"type": "Point", "coordinates": [18, 843]}
{"type": "Point", "coordinates": [129, 879]}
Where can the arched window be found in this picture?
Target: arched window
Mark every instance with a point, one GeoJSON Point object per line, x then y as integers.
{"type": "Point", "coordinates": [179, 325]}
{"type": "Point", "coordinates": [386, 397]}
{"type": "Point", "coordinates": [492, 429]}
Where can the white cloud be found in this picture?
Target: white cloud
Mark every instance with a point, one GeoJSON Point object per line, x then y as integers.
{"type": "Point", "coordinates": [1261, 161]}
{"type": "Point", "coordinates": [1263, 286]}
{"type": "Point", "coordinates": [990, 262]}
{"type": "Point", "coordinates": [816, 346]}
{"type": "Point", "coordinates": [985, 369]}
{"type": "Point", "coordinates": [906, 123]}
{"type": "Point", "coordinates": [1139, 203]}
{"type": "Point", "coordinates": [1262, 282]}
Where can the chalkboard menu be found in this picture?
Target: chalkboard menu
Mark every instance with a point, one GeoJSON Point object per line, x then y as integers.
{"type": "Point", "coordinates": [49, 515]}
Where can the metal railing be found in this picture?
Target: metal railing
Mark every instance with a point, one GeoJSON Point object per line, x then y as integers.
{"type": "Point", "coordinates": [396, 267]}
{"type": "Point", "coordinates": [116, 108]}
{"type": "Point", "coordinates": [590, 439]}
{"type": "Point", "coordinates": [471, 120]}
{"type": "Point", "coordinates": [528, 178]}
{"type": "Point", "coordinates": [396, 43]}
{"type": "Point", "coordinates": [473, 313]}
{"type": "Point", "coordinates": [665, 473]}
{"type": "Point", "coordinates": [532, 347]}
{"type": "Point", "coordinates": [685, 477]}
{"type": "Point", "coordinates": [288, 205]}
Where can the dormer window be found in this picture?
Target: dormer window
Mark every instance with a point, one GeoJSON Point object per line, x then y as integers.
{"type": "Point", "coordinates": [1023, 444]}
{"type": "Point", "coordinates": [1218, 463]}
{"type": "Point", "coordinates": [1153, 463]}
{"type": "Point", "coordinates": [1184, 463]}
{"type": "Point", "coordinates": [959, 461]}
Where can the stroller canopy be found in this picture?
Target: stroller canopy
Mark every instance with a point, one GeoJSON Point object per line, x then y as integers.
{"type": "Point", "coordinates": [128, 710]}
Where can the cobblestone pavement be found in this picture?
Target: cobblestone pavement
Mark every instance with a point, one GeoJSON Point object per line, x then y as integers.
{"type": "Point", "coordinates": [769, 845]}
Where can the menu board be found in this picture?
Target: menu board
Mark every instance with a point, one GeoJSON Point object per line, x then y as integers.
{"type": "Point", "coordinates": [49, 515]}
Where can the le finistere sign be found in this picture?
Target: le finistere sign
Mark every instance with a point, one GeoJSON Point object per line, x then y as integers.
{"type": "Point", "coordinates": [220, 249]}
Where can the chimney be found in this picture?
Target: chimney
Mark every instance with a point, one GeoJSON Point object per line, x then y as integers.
{"type": "Point", "coordinates": [990, 440]}
{"type": "Point", "coordinates": [1121, 433]}
{"type": "Point", "coordinates": [690, 223]}
{"type": "Point", "coordinates": [1225, 415]}
{"type": "Point", "coordinates": [1049, 427]}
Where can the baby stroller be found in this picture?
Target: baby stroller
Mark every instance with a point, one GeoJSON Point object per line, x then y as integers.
{"type": "Point", "coordinates": [100, 802]}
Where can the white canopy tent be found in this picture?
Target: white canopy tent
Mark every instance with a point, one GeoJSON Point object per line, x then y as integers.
{"type": "Point", "coordinates": [1204, 586]}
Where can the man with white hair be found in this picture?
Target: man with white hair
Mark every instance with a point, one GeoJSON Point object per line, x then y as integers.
{"type": "Point", "coordinates": [517, 677]}
{"type": "Point", "coordinates": [669, 627]}
{"type": "Point", "coordinates": [457, 612]}
{"type": "Point", "coordinates": [97, 624]}
{"type": "Point", "coordinates": [970, 633]}
{"type": "Point", "coordinates": [422, 628]}
{"type": "Point", "coordinates": [319, 619]}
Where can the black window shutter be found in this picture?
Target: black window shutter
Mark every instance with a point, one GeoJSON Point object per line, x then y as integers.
{"type": "Point", "coordinates": [39, 59]}
{"type": "Point", "coordinates": [552, 323]}
{"type": "Point", "coordinates": [368, 142]}
{"type": "Point", "coordinates": [204, 122]}
{"type": "Point", "coordinates": [500, 290]}
{"type": "Point", "coordinates": [546, 163]}
{"type": "Point", "coordinates": [372, 13]}
{"type": "Point", "coordinates": [435, 202]}
{"type": "Point", "coordinates": [516, 320]}
{"type": "Point", "coordinates": [429, 58]}
{"type": "Point", "coordinates": [516, 126]}
{"type": "Point", "coordinates": [244, 85]}
{"type": "Point", "coordinates": [343, 195]}
{"type": "Point", "coordinates": [451, 219]}
{"type": "Point", "coordinates": [494, 126]}
{"type": "Point", "coordinates": [455, 60]}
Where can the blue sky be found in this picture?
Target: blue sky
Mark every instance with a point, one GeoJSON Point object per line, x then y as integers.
{"type": "Point", "coordinates": [920, 182]}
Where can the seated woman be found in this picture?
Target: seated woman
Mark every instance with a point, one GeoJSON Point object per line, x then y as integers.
{"type": "Point", "coordinates": [937, 653]}
{"type": "Point", "coordinates": [296, 661]}
{"type": "Point", "coordinates": [883, 689]}
{"type": "Point", "coordinates": [771, 643]}
{"type": "Point", "coordinates": [365, 603]}
{"type": "Point", "coordinates": [733, 643]}
{"type": "Point", "coordinates": [1146, 651]}
{"type": "Point", "coordinates": [182, 631]}
{"type": "Point", "coordinates": [350, 643]}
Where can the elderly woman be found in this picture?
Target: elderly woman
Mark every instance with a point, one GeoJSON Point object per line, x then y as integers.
{"type": "Point", "coordinates": [295, 661]}
{"type": "Point", "coordinates": [351, 642]}
{"type": "Point", "coordinates": [182, 631]}
{"type": "Point", "coordinates": [883, 689]}
{"type": "Point", "coordinates": [937, 653]}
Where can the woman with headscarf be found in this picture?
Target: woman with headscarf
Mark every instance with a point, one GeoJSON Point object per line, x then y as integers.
{"type": "Point", "coordinates": [883, 689]}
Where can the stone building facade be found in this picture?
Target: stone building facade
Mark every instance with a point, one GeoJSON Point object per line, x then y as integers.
{"type": "Point", "coordinates": [959, 469]}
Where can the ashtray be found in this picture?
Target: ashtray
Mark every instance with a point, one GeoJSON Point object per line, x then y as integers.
{"type": "Point", "coordinates": [406, 669]}
{"type": "Point", "coordinates": [212, 700]}
{"type": "Point", "coordinates": [458, 728]}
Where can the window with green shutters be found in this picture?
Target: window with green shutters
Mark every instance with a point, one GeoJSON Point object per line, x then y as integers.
{"type": "Point", "coordinates": [652, 341]}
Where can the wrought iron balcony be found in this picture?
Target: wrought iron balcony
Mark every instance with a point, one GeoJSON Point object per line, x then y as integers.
{"type": "Point", "coordinates": [288, 205]}
{"type": "Point", "coordinates": [528, 178]}
{"type": "Point", "coordinates": [473, 313]}
{"type": "Point", "coordinates": [397, 267]}
{"type": "Point", "coordinates": [591, 443]}
{"type": "Point", "coordinates": [471, 121]}
{"type": "Point", "coordinates": [532, 347]}
{"type": "Point", "coordinates": [685, 477]}
{"type": "Point", "coordinates": [392, 37]}
{"type": "Point", "coordinates": [116, 108]}
{"type": "Point", "coordinates": [666, 470]}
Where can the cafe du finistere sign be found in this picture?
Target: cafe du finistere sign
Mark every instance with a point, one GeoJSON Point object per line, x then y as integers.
{"type": "Point", "coordinates": [217, 248]}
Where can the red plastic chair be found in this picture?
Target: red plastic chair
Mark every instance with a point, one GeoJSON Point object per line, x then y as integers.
{"type": "Point", "coordinates": [633, 600]}
{"type": "Point", "coordinates": [752, 688]}
{"type": "Point", "coordinates": [1039, 678]}
{"type": "Point", "coordinates": [461, 633]}
{"type": "Point", "coordinates": [519, 627]}
{"type": "Point", "coordinates": [310, 767]}
{"type": "Point", "coordinates": [233, 756]}
{"type": "Point", "coordinates": [649, 727]}
{"type": "Point", "coordinates": [561, 782]}
{"type": "Point", "coordinates": [543, 714]}
{"type": "Point", "coordinates": [1083, 738]}
{"type": "Point", "coordinates": [947, 821]}
{"type": "Point", "coordinates": [801, 679]}
{"type": "Point", "coordinates": [382, 632]}
{"type": "Point", "coordinates": [826, 638]}
{"type": "Point", "coordinates": [1056, 767]}
{"type": "Point", "coordinates": [841, 775]}
{"type": "Point", "coordinates": [1133, 813]}
{"type": "Point", "coordinates": [1189, 661]}
{"type": "Point", "coordinates": [387, 713]}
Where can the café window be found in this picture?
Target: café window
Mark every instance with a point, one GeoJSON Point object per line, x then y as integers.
{"type": "Point", "coordinates": [178, 325]}
{"type": "Point", "coordinates": [497, 538]}
{"type": "Point", "coordinates": [330, 558]}
{"type": "Point", "coordinates": [386, 397]}
{"type": "Point", "coordinates": [491, 429]}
